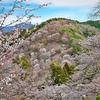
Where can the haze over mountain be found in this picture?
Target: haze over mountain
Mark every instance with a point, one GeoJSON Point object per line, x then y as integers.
{"type": "Point", "coordinates": [11, 28]}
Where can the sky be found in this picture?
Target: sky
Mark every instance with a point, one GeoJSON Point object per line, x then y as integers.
{"type": "Point", "coordinates": [71, 9]}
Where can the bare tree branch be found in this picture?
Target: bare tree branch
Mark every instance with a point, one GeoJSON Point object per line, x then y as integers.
{"type": "Point", "coordinates": [17, 5]}
{"type": "Point", "coordinates": [95, 12]}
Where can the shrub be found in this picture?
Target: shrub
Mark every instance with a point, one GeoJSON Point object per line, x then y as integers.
{"type": "Point", "coordinates": [16, 60]}
{"type": "Point", "coordinates": [22, 33]}
{"type": "Point", "coordinates": [24, 64]}
{"type": "Point", "coordinates": [74, 36]}
{"type": "Point", "coordinates": [83, 98]}
{"type": "Point", "coordinates": [98, 97]}
{"type": "Point", "coordinates": [75, 47]}
{"type": "Point", "coordinates": [93, 23]}
{"type": "Point", "coordinates": [68, 69]}
{"type": "Point", "coordinates": [86, 33]}
{"type": "Point", "coordinates": [58, 74]}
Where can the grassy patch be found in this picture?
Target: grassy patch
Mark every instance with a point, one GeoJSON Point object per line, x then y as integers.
{"type": "Point", "coordinates": [76, 47]}
{"type": "Point", "coordinates": [24, 64]}
{"type": "Point", "coordinates": [74, 36]}
{"type": "Point", "coordinates": [98, 97]}
{"type": "Point", "coordinates": [88, 33]}
{"type": "Point", "coordinates": [60, 74]}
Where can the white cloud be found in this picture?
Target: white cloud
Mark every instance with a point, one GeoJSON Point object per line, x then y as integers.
{"type": "Point", "coordinates": [65, 2]}
{"type": "Point", "coordinates": [33, 21]}
{"type": "Point", "coordinates": [42, 19]}
{"type": "Point", "coordinates": [36, 20]}
{"type": "Point", "coordinates": [11, 18]}
{"type": "Point", "coordinates": [3, 1]}
{"type": "Point", "coordinates": [61, 2]}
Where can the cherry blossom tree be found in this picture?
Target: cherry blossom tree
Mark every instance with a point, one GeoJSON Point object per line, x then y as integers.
{"type": "Point", "coordinates": [24, 11]}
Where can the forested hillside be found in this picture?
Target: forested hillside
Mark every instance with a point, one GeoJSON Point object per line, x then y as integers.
{"type": "Point", "coordinates": [93, 23]}
{"type": "Point", "coordinates": [58, 60]}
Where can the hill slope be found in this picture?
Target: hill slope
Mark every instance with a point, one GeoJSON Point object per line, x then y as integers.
{"type": "Point", "coordinates": [25, 65]}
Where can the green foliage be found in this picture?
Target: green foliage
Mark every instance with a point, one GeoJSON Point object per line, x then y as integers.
{"type": "Point", "coordinates": [16, 60]}
{"type": "Point", "coordinates": [83, 98]}
{"type": "Point", "coordinates": [88, 33]}
{"type": "Point", "coordinates": [76, 47]}
{"type": "Point", "coordinates": [24, 64]}
{"type": "Point", "coordinates": [74, 36]}
{"type": "Point", "coordinates": [22, 33]}
{"type": "Point", "coordinates": [68, 69]}
{"type": "Point", "coordinates": [98, 97]}
{"type": "Point", "coordinates": [48, 21]}
{"type": "Point", "coordinates": [60, 74]}
{"type": "Point", "coordinates": [93, 23]}
{"type": "Point", "coordinates": [74, 33]}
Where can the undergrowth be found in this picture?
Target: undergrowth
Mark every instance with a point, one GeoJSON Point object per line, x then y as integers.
{"type": "Point", "coordinates": [60, 74]}
{"type": "Point", "coordinates": [98, 97]}
{"type": "Point", "coordinates": [24, 64]}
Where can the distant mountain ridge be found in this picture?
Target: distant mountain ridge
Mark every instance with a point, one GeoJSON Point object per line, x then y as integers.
{"type": "Point", "coordinates": [93, 23]}
{"type": "Point", "coordinates": [90, 22]}
{"type": "Point", "coordinates": [10, 28]}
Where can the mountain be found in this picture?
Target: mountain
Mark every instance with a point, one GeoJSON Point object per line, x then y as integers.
{"type": "Point", "coordinates": [59, 60]}
{"type": "Point", "coordinates": [93, 23]}
{"type": "Point", "coordinates": [10, 28]}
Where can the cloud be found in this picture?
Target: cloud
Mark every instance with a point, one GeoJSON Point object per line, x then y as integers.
{"type": "Point", "coordinates": [36, 20]}
{"type": "Point", "coordinates": [44, 18]}
{"type": "Point", "coordinates": [74, 11]}
{"type": "Point", "coordinates": [65, 2]}
{"type": "Point", "coordinates": [11, 18]}
{"type": "Point", "coordinates": [5, 1]}
{"type": "Point", "coordinates": [61, 2]}
{"type": "Point", "coordinates": [33, 21]}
